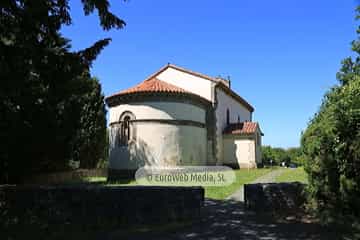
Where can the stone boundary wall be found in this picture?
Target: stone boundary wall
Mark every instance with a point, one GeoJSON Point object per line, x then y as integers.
{"type": "Point", "coordinates": [66, 176]}
{"type": "Point", "coordinates": [273, 197]}
{"type": "Point", "coordinates": [114, 175]}
{"type": "Point", "coordinates": [96, 206]}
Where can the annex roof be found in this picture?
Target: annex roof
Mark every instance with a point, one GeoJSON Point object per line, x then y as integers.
{"type": "Point", "coordinates": [242, 128]}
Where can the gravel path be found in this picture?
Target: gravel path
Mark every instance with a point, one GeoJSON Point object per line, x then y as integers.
{"type": "Point", "coordinates": [228, 219]}
{"type": "Point", "coordinates": [267, 178]}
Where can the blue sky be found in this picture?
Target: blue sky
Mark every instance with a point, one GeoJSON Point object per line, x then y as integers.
{"type": "Point", "coordinates": [281, 55]}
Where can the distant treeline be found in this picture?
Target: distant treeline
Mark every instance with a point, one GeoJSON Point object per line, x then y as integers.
{"type": "Point", "coordinates": [279, 155]}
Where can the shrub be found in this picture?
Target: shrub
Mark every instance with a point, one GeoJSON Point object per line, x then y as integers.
{"type": "Point", "coordinates": [331, 144]}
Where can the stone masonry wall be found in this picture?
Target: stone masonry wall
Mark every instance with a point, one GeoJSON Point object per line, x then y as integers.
{"type": "Point", "coordinates": [94, 205]}
{"type": "Point", "coordinates": [273, 197]}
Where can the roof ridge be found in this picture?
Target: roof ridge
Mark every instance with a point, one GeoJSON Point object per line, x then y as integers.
{"type": "Point", "coordinates": [192, 72]}
{"type": "Point", "coordinates": [218, 83]}
{"type": "Point", "coordinates": [185, 70]}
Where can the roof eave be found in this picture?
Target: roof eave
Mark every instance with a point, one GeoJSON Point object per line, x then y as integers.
{"type": "Point", "coordinates": [239, 134]}
{"type": "Point", "coordinates": [235, 96]}
{"type": "Point", "coordinates": [121, 96]}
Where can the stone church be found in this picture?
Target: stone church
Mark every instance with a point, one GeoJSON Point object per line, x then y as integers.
{"type": "Point", "coordinates": [180, 117]}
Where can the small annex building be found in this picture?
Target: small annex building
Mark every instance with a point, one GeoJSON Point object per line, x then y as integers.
{"type": "Point", "coordinates": [180, 117]}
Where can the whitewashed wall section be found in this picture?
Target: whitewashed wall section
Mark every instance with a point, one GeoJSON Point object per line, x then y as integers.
{"type": "Point", "coordinates": [224, 102]}
{"type": "Point", "coordinates": [189, 82]}
{"type": "Point", "coordinates": [239, 151]}
{"type": "Point", "coordinates": [160, 143]}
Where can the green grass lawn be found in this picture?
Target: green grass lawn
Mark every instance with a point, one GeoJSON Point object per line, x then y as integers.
{"type": "Point", "coordinates": [293, 175]}
{"type": "Point", "coordinates": [243, 176]}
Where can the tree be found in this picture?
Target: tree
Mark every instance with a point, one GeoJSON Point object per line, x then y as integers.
{"type": "Point", "coordinates": [45, 86]}
{"type": "Point", "coordinates": [90, 144]}
{"type": "Point", "coordinates": [279, 155]}
{"type": "Point", "coordinates": [295, 155]}
{"type": "Point", "coordinates": [267, 155]}
{"type": "Point", "coordinates": [331, 144]}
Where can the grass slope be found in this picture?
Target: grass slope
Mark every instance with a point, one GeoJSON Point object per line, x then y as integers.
{"type": "Point", "coordinates": [243, 176]}
{"type": "Point", "coordinates": [293, 175]}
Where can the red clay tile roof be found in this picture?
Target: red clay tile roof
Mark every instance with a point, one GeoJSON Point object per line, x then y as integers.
{"type": "Point", "coordinates": [219, 83]}
{"type": "Point", "coordinates": [241, 128]}
{"type": "Point", "coordinates": [152, 85]}
{"type": "Point", "coordinates": [166, 87]}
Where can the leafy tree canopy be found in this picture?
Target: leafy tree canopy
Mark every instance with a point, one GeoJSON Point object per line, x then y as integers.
{"type": "Point", "coordinates": [48, 98]}
{"type": "Point", "coordinates": [279, 155]}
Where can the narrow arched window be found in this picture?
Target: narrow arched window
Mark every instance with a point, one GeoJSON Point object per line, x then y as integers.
{"type": "Point", "coordinates": [127, 128]}
{"type": "Point", "coordinates": [227, 116]}
{"type": "Point", "coordinates": [238, 118]}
